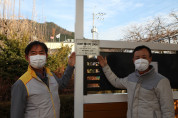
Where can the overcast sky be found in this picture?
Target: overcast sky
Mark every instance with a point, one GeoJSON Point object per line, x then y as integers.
{"type": "Point", "coordinates": [118, 14]}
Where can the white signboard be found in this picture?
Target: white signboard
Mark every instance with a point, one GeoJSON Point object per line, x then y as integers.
{"type": "Point", "coordinates": [87, 47]}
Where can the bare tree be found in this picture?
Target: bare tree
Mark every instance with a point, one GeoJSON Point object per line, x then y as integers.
{"type": "Point", "coordinates": [158, 30]}
{"type": "Point", "coordinates": [18, 27]}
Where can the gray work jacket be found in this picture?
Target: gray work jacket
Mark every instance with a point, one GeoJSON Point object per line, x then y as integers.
{"type": "Point", "coordinates": [149, 94]}
{"type": "Point", "coordinates": [32, 98]}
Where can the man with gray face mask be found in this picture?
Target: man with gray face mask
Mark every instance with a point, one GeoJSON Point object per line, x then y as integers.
{"type": "Point", "coordinates": [149, 93]}
{"type": "Point", "coordinates": [35, 94]}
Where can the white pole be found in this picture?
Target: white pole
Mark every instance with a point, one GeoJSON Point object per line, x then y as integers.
{"type": "Point", "coordinates": [78, 83]}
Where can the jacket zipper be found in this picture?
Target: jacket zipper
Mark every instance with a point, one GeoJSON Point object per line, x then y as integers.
{"type": "Point", "coordinates": [50, 95]}
{"type": "Point", "coordinates": [132, 101]}
{"type": "Point", "coordinates": [154, 115]}
{"type": "Point", "coordinates": [134, 95]}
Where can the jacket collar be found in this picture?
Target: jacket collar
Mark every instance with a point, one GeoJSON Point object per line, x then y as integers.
{"type": "Point", "coordinates": [151, 71]}
{"type": "Point", "coordinates": [33, 74]}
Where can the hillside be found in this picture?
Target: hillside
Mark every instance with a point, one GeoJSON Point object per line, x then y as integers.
{"type": "Point", "coordinates": [52, 30]}
{"type": "Point", "coordinates": [42, 31]}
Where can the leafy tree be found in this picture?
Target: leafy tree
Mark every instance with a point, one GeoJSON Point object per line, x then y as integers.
{"type": "Point", "coordinates": [12, 64]}
{"type": "Point", "coordinates": [12, 58]}
{"type": "Point", "coordinates": [57, 61]}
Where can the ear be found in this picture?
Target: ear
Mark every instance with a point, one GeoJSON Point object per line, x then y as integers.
{"type": "Point", "coordinates": [150, 59]}
{"type": "Point", "coordinates": [133, 60]}
{"type": "Point", "coordinates": [26, 57]}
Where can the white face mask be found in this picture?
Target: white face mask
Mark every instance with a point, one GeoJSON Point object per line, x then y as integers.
{"type": "Point", "coordinates": [141, 64]}
{"type": "Point", "coordinates": [38, 61]}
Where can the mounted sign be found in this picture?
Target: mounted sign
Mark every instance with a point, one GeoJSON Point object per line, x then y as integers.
{"type": "Point", "coordinates": [87, 47]}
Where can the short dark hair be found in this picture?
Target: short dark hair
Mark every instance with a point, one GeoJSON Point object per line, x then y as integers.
{"type": "Point", "coordinates": [142, 47]}
{"type": "Point", "coordinates": [30, 45]}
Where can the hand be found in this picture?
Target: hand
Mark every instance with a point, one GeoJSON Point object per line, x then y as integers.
{"type": "Point", "coordinates": [102, 61]}
{"type": "Point", "coordinates": [71, 60]}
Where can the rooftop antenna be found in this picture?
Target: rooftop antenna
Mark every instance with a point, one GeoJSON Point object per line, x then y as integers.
{"type": "Point", "coordinates": [98, 16]}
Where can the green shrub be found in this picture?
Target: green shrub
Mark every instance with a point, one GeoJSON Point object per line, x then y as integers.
{"type": "Point", "coordinates": [67, 106]}
{"type": "Point", "coordinates": [5, 109]}
{"type": "Point", "coordinates": [12, 64]}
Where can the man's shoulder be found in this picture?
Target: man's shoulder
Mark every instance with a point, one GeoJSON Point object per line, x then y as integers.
{"type": "Point", "coordinates": [18, 83]}
{"type": "Point", "coordinates": [19, 88]}
{"type": "Point", "coordinates": [132, 77]}
{"type": "Point", "coordinates": [161, 76]}
{"type": "Point", "coordinates": [26, 77]}
{"type": "Point", "coordinates": [133, 74]}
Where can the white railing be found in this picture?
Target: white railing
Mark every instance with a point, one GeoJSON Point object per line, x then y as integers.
{"type": "Point", "coordinates": [132, 45]}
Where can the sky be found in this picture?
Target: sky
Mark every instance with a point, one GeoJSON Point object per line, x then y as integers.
{"type": "Point", "coordinates": [118, 14]}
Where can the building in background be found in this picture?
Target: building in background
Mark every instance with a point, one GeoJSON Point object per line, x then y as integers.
{"type": "Point", "coordinates": [52, 46]}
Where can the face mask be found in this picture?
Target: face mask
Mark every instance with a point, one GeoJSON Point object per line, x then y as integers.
{"type": "Point", "coordinates": [141, 64]}
{"type": "Point", "coordinates": [38, 61]}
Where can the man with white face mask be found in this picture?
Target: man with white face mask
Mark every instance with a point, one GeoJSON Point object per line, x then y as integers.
{"type": "Point", "coordinates": [149, 93]}
{"type": "Point", "coordinates": [35, 94]}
